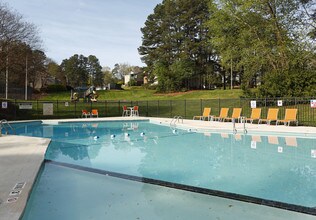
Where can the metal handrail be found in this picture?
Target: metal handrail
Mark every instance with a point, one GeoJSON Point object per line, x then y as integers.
{"type": "Point", "coordinates": [234, 126]}
{"type": "Point", "coordinates": [243, 120]}
{"type": "Point", "coordinates": [176, 119]}
{"type": "Point", "coordinates": [4, 122]}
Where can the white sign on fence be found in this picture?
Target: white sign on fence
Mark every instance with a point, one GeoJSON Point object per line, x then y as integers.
{"type": "Point", "coordinates": [253, 104]}
{"type": "Point", "coordinates": [280, 103]}
{"type": "Point", "coordinates": [313, 103]}
{"type": "Point", "coordinates": [4, 104]}
{"type": "Point", "coordinates": [66, 104]}
{"type": "Point", "coordinates": [48, 108]}
{"type": "Point", "coordinates": [25, 106]}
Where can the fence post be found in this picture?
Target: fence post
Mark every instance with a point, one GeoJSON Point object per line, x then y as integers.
{"type": "Point", "coordinates": [75, 109]}
{"type": "Point", "coordinates": [170, 108]}
{"type": "Point", "coordinates": [37, 108]}
{"type": "Point", "coordinates": [147, 109]}
{"type": "Point", "coordinates": [157, 108]}
{"type": "Point", "coordinates": [265, 105]}
{"type": "Point", "coordinates": [185, 108]}
{"type": "Point", "coordinates": [219, 105]}
{"type": "Point", "coordinates": [57, 107]}
{"type": "Point", "coordinates": [201, 106]}
{"type": "Point", "coordinates": [14, 109]}
{"type": "Point", "coordinates": [104, 107]}
{"type": "Point", "coordinates": [119, 106]}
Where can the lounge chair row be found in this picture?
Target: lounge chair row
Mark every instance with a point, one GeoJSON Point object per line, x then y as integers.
{"type": "Point", "coordinates": [85, 113]}
{"type": "Point", "coordinates": [290, 116]}
{"type": "Point", "coordinates": [127, 111]}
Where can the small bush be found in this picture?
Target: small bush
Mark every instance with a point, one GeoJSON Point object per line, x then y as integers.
{"type": "Point", "coordinates": [69, 88]}
{"type": "Point", "coordinates": [132, 82]}
{"type": "Point", "coordinates": [56, 88]}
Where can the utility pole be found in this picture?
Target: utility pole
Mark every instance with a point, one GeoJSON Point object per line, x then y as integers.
{"type": "Point", "coordinates": [6, 77]}
{"type": "Point", "coordinates": [26, 77]}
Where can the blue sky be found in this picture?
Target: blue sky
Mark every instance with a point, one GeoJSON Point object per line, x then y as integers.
{"type": "Point", "coordinates": [108, 29]}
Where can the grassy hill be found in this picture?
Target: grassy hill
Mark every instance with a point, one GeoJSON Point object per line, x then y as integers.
{"type": "Point", "coordinates": [139, 94]}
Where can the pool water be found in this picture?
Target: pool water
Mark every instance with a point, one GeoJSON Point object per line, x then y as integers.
{"type": "Point", "coordinates": [281, 169]}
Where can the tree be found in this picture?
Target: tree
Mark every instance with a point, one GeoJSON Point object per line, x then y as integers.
{"type": "Point", "coordinates": [82, 71]}
{"type": "Point", "coordinates": [36, 66]}
{"type": "Point", "coordinates": [263, 40]}
{"type": "Point", "coordinates": [174, 36]}
{"type": "Point", "coordinates": [108, 76]}
{"type": "Point", "coordinates": [13, 28]}
{"type": "Point", "coordinates": [17, 38]}
{"type": "Point", "coordinates": [121, 69]}
{"type": "Point", "coordinates": [53, 69]}
{"type": "Point", "coordinates": [95, 71]}
{"type": "Point", "coordinates": [75, 70]}
{"type": "Point", "coordinates": [309, 13]}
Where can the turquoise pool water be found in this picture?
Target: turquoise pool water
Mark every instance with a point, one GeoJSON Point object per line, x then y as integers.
{"type": "Point", "coordinates": [281, 169]}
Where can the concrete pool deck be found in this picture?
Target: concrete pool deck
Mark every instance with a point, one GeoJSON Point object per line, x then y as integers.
{"type": "Point", "coordinates": [209, 125]}
{"type": "Point", "coordinates": [21, 159]}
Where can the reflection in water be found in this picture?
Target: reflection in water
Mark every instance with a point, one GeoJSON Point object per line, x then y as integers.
{"type": "Point", "coordinates": [291, 141]}
{"type": "Point", "coordinates": [273, 140]}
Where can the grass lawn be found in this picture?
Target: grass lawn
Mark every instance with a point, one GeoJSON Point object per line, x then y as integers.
{"type": "Point", "coordinates": [139, 94]}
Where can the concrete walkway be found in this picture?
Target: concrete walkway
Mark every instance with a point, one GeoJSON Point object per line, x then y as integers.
{"type": "Point", "coordinates": [20, 161]}
{"type": "Point", "coordinates": [209, 125]}
{"type": "Point", "coordinates": [228, 127]}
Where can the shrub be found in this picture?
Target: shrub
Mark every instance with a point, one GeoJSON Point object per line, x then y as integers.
{"type": "Point", "coordinates": [56, 88]}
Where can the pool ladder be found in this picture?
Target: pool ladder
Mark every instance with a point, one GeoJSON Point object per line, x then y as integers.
{"type": "Point", "coordinates": [176, 119]}
{"type": "Point", "coordinates": [243, 120]}
{"type": "Point", "coordinates": [6, 126]}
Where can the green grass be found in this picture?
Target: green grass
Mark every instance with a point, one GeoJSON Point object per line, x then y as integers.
{"type": "Point", "coordinates": [137, 94]}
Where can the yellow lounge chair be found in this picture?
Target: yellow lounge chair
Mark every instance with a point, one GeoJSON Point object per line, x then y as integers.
{"type": "Point", "coordinates": [255, 115]}
{"type": "Point", "coordinates": [235, 115]}
{"type": "Point", "coordinates": [290, 116]}
{"type": "Point", "coordinates": [206, 114]}
{"type": "Point", "coordinates": [272, 116]}
{"type": "Point", "coordinates": [223, 114]}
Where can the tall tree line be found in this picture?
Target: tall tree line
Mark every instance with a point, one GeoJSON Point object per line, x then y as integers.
{"type": "Point", "coordinates": [262, 43]}
{"type": "Point", "coordinates": [20, 49]}
{"type": "Point", "coordinates": [175, 44]}
{"type": "Point", "coordinates": [82, 71]}
{"type": "Point", "coordinates": [268, 43]}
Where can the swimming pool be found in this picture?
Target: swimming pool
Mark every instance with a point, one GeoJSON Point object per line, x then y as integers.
{"type": "Point", "coordinates": [265, 169]}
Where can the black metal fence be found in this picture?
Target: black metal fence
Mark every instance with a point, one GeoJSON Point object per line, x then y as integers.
{"type": "Point", "coordinates": [16, 93]}
{"type": "Point", "coordinates": [38, 109]}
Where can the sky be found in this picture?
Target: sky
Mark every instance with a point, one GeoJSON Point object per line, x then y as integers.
{"type": "Point", "coordinates": [108, 29]}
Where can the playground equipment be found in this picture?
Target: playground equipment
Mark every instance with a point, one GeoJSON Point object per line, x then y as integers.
{"type": "Point", "coordinates": [92, 94]}
{"type": "Point", "coordinates": [89, 94]}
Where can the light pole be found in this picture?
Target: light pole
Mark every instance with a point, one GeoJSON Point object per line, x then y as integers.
{"type": "Point", "coordinates": [6, 77]}
{"type": "Point", "coordinates": [26, 77]}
